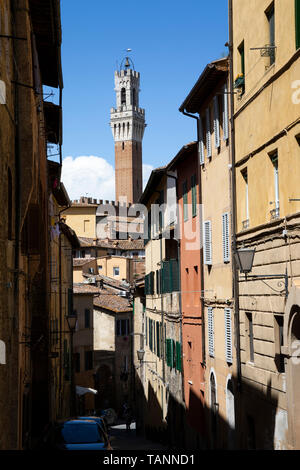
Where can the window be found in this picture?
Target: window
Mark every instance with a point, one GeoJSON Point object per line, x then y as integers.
{"type": "Point", "coordinates": [194, 196]}
{"type": "Point", "coordinates": [225, 114]}
{"type": "Point", "coordinates": [216, 122]}
{"type": "Point", "coordinates": [245, 178]}
{"type": "Point", "coordinates": [86, 224]}
{"type": "Point", "coordinates": [116, 271]}
{"type": "Point", "coordinates": [207, 242]}
{"type": "Point", "coordinates": [201, 141]}
{"type": "Point", "coordinates": [226, 241]}
{"type": "Point", "coordinates": [88, 360]}
{"type": "Point", "coordinates": [178, 357]}
{"type": "Point", "coordinates": [185, 201]}
{"type": "Point", "coordinates": [271, 20]}
{"type": "Point", "coordinates": [100, 267]}
{"type": "Point", "coordinates": [123, 97]}
{"type": "Point", "coordinates": [228, 335]}
{"type": "Point", "coordinates": [123, 146]}
{"type": "Point", "coordinates": [87, 315]}
{"type": "Point", "coordinates": [297, 22]}
{"type": "Point", "coordinates": [123, 327]}
{"type": "Point", "coordinates": [249, 334]}
{"type": "Point", "coordinates": [274, 160]}
{"type": "Point", "coordinates": [157, 339]}
{"type": "Point", "coordinates": [241, 50]}
{"type": "Point", "coordinates": [211, 332]}
{"type": "Point", "coordinates": [133, 97]}
{"type": "Point", "coordinates": [208, 133]}
{"type": "Point", "coordinates": [278, 330]}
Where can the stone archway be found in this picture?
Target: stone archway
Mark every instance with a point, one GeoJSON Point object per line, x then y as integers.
{"type": "Point", "coordinates": [292, 352]}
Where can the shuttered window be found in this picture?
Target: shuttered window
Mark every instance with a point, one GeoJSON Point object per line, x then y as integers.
{"type": "Point", "coordinates": [170, 276]}
{"type": "Point", "coordinates": [201, 142]}
{"type": "Point", "coordinates": [216, 122]}
{"type": "Point", "coordinates": [207, 249]}
{"type": "Point", "coordinates": [185, 202]}
{"type": "Point", "coordinates": [225, 114]}
{"type": "Point", "coordinates": [178, 357]}
{"type": "Point", "coordinates": [226, 241]}
{"type": "Point", "coordinates": [208, 133]}
{"type": "Point", "coordinates": [194, 195]}
{"type": "Point", "coordinates": [157, 339]}
{"type": "Point", "coordinates": [146, 333]}
{"type": "Point", "coordinates": [149, 283]}
{"type": "Point", "coordinates": [211, 332]}
{"type": "Point", "coordinates": [228, 335]}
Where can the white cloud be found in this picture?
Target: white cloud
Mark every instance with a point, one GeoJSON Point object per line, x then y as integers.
{"type": "Point", "coordinates": [92, 176]}
{"type": "Point", "coordinates": [88, 176]}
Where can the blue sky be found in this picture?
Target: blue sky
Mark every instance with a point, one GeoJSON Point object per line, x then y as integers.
{"type": "Point", "coordinates": [171, 43]}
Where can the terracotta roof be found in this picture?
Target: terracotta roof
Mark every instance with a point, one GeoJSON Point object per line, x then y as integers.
{"type": "Point", "coordinates": [113, 244]}
{"type": "Point", "coordinates": [108, 280]}
{"type": "Point", "coordinates": [110, 301]}
{"type": "Point", "coordinates": [213, 74]}
{"type": "Point", "coordinates": [81, 261]}
{"type": "Point", "coordinates": [83, 288]}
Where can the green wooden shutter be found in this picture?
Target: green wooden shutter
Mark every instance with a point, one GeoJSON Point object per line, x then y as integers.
{"type": "Point", "coordinates": [178, 357]}
{"type": "Point", "coordinates": [157, 339]}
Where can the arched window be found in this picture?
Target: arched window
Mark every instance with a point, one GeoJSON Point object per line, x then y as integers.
{"type": "Point", "coordinates": [133, 97]}
{"type": "Point", "coordinates": [9, 205]}
{"type": "Point", "coordinates": [123, 96]}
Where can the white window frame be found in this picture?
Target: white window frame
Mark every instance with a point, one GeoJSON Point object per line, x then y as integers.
{"type": "Point", "coordinates": [216, 122]}
{"type": "Point", "coordinates": [211, 331]}
{"type": "Point", "coordinates": [207, 242]}
{"type": "Point", "coordinates": [225, 237]}
{"type": "Point", "coordinates": [208, 134]}
{"type": "Point", "coordinates": [228, 335]}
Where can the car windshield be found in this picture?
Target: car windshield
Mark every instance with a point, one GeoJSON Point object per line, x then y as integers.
{"type": "Point", "coordinates": [80, 433]}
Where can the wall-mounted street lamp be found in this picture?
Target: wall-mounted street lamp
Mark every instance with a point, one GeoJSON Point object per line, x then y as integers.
{"type": "Point", "coordinates": [244, 258]}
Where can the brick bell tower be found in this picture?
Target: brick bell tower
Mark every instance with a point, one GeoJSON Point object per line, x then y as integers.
{"type": "Point", "coordinates": [127, 123]}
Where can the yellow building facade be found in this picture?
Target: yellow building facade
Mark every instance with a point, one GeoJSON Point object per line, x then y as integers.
{"type": "Point", "coordinates": [266, 110]}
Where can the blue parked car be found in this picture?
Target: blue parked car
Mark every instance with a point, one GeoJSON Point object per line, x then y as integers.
{"type": "Point", "coordinates": [100, 420]}
{"type": "Point", "coordinates": [77, 434]}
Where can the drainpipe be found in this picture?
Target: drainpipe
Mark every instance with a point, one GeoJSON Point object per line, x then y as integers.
{"type": "Point", "coordinates": [233, 205]}
{"type": "Point", "coordinates": [201, 256]}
